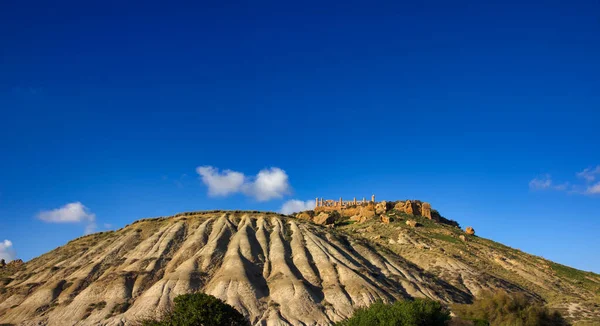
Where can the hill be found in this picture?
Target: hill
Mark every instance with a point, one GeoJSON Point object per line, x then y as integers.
{"type": "Point", "coordinates": [277, 270]}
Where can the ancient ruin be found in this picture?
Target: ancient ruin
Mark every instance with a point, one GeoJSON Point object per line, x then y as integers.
{"type": "Point", "coordinates": [320, 202]}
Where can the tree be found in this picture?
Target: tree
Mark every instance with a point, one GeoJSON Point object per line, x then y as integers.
{"type": "Point", "coordinates": [420, 312]}
{"type": "Point", "coordinates": [199, 309]}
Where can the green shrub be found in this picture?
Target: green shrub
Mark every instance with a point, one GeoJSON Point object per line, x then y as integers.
{"type": "Point", "coordinates": [501, 308]}
{"type": "Point", "coordinates": [199, 309]}
{"type": "Point", "coordinates": [420, 312]}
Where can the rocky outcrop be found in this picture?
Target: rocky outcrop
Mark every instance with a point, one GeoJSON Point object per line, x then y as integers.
{"type": "Point", "coordinates": [308, 215]}
{"type": "Point", "coordinates": [406, 207]}
{"type": "Point", "coordinates": [470, 231]}
{"type": "Point", "coordinates": [381, 207]}
{"type": "Point", "coordinates": [463, 238]}
{"type": "Point", "coordinates": [385, 219]}
{"type": "Point", "coordinates": [419, 208]}
{"type": "Point", "coordinates": [324, 219]}
{"type": "Point", "coordinates": [363, 214]}
{"type": "Point", "coordinates": [412, 223]}
{"type": "Point", "coordinates": [409, 207]}
{"type": "Point", "coordinates": [426, 210]}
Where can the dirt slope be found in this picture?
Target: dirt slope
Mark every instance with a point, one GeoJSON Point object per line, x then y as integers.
{"type": "Point", "coordinates": [275, 270]}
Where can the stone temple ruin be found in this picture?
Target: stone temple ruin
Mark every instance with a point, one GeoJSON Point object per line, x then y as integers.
{"type": "Point", "coordinates": [337, 204]}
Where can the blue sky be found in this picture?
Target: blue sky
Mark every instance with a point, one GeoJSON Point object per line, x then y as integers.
{"type": "Point", "coordinates": [489, 111]}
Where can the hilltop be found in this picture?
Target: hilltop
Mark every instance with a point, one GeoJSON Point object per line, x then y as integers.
{"type": "Point", "coordinates": [279, 270]}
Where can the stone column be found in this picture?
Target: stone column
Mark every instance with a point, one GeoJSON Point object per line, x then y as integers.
{"type": "Point", "coordinates": [373, 198]}
{"type": "Point", "coordinates": [354, 202]}
{"type": "Point", "coordinates": [340, 201]}
{"type": "Point", "coordinates": [316, 202]}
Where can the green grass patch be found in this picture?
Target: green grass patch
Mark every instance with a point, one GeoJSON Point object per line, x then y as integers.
{"type": "Point", "coordinates": [447, 238]}
{"type": "Point", "coordinates": [580, 277]}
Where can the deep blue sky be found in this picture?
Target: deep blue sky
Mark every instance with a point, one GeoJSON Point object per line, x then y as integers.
{"type": "Point", "coordinates": [461, 104]}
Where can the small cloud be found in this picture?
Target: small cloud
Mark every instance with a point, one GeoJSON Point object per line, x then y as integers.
{"type": "Point", "coordinates": [7, 251]}
{"type": "Point", "coordinates": [268, 184]}
{"type": "Point", "coordinates": [589, 174]}
{"type": "Point", "coordinates": [588, 187]}
{"type": "Point", "coordinates": [295, 206]}
{"type": "Point", "coordinates": [541, 183]}
{"type": "Point", "coordinates": [107, 226]}
{"type": "Point", "coordinates": [220, 183]}
{"type": "Point", "coordinates": [545, 183]}
{"type": "Point", "coordinates": [593, 190]}
{"type": "Point", "coordinates": [70, 213]}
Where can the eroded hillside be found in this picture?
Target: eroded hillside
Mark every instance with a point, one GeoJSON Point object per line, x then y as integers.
{"type": "Point", "coordinates": [275, 270]}
{"type": "Point", "coordinates": [271, 268]}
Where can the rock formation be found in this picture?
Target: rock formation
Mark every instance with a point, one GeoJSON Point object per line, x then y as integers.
{"type": "Point", "coordinates": [385, 219]}
{"type": "Point", "coordinates": [381, 208]}
{"type": "Point", "coordinates": [411, 223]}
{"type": "Point", "coordinates": [324, 219]}
{"type": "Point", "coordinates": [426, 210]}
{"type": "Point", "coordinates": [308, 215]}
{"type": "Point", "coordinates": [363, 214]}
{"type": "Point", "coordinates": [470, 231]}
{"type": "Point", "coordinates": [408, 208]}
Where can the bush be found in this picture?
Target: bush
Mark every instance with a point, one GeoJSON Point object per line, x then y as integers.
{"type": "Point", "coordinates": [199, 309]}
{"type": "Point", "coordinates": [420, 312]}
{"type": "Point", "coordinates": [501, 308]}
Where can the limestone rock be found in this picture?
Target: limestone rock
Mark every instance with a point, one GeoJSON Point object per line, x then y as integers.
{"type": "Point", "coordinates": [463, 238]}
{"type": "Point", "coordinates": [426, 210]}
{"type": "Point", "coordinates": [385, 219]}
{"type": "Point", "coordinates": [470, 231]}
{"type": "Point", "coordinates": [381, 208]}
{"type": "Point", "coordinates": [367, 212]}
{"type": "Point", "coordinates": [399, 206]}
{"type": "Point", "coordinates": [15, 263]}
{"type": "Point", "coordinates": [305, 216]}
{"type": "Point", "coordinates": [357, 219]}
{"type": "Point", "coordinates": [411, 223]}
{"type": "Point", "coordinates": [408, 207]}
{"type": "Point", "coordinates": [363, 214]}
{"type": "Point", "coordinates": [324, 219]}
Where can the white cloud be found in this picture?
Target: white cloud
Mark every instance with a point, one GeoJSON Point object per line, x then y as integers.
{"type": "Point", "coordinates": [267, 184]}
{"type": "Point", "coordinates": [594, 189]}
{"type": "Point", "coordinates": [590, 186]}
{"type": "Point", "coordinates": [589, 174]}
{"type": "Point", "coordinates": [71, 213]}
{"type": "Point", "coordinates": [545, 183]}
{"type": "Point", "coordinates": [220, 183]}
{"type": "Point", "coordinates": [7, 251]}
{"type": "Point", "coordinates": [295, 206]}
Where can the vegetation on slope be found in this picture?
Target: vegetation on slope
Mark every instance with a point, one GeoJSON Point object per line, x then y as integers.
{"type": "Point", "coordinates": [199, 309]}
{"type": "Point", "coordinates": [501, 308]}
{"type": "Point", "coordinates": [420, 312]}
